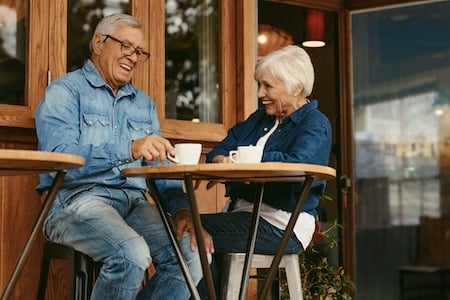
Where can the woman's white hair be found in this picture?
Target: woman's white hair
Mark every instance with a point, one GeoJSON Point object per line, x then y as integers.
{"type": "Point", "coordinates": [292, 66]}
{"type": "Point", "coordinates": [108, 24]}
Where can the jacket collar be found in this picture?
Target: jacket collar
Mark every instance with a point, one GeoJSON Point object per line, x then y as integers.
{"type": "Point", "coordinates": [300, 113]}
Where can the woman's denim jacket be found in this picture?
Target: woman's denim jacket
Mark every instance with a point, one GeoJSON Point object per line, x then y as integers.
{"type": "Point", "coordinates": [303, 137]}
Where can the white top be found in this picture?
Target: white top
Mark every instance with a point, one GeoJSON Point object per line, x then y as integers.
{"type": "Point", "coordinates": [305, 225]}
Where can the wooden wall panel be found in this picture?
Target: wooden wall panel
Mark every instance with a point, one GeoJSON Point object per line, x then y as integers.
{"type": "Point", "coordinates": [19, 206]}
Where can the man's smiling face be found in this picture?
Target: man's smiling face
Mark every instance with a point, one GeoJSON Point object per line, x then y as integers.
{"type": "Point", "coordinates": [114, 65]}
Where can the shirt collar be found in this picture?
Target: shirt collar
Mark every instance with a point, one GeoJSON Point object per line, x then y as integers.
{"type": "Point", "coordinates": [94, 78]}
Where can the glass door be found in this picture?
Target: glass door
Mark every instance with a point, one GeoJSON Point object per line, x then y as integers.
{"type": "Point", "coordinates": [401, 115]}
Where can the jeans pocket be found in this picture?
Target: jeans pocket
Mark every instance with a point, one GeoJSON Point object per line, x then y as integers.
{"type": "Point", "coordinates": [66, 196]}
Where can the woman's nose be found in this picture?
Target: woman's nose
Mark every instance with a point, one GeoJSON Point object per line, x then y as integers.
{"type": "Point", "coordinates": [261, 92]}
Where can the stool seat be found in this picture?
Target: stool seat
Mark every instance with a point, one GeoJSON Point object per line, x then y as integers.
{"type": "Point", "coordinates": [233, 265]}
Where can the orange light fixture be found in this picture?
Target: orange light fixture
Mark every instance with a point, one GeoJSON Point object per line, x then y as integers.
{"type": "Point", "coordinates": [271, 38]}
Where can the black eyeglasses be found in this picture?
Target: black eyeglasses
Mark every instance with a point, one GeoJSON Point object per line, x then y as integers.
{"type": "Point", "coordinates": [127, 49]}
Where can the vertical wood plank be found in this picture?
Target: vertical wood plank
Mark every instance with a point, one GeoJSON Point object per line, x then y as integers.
{"type": "Point", "coordinates": [20, 206]}
{"type": "Point", "coordinates": [246, 12]}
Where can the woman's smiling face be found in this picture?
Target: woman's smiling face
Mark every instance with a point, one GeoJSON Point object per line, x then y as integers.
{"type": "Point", "coordinates": [274, 96]}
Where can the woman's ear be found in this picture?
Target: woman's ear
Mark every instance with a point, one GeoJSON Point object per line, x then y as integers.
{"type": "Point", "coordinates": [298, 90]}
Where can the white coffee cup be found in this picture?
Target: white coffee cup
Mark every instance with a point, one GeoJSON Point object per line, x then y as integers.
{"type": "Point", "coordinates": [247, 154]}
{"type": "Point", "coordinates": [186, 153]}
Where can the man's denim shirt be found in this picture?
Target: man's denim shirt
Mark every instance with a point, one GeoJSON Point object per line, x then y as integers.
{"type": "Point", "coordinates": [81, 115]}
{"type": "Point", "coordinates": [303, 137]}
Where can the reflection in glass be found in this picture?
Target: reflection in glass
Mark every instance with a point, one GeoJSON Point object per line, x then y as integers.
{"type": "Point", "coordinates": [401, 60]}
{"type": "Point", "coordinates": [12, 52]}
{"type": "Point", "coordinates": [191, 72]}
{"type": "Point", "coordinates": [401, 100]}
{"type": "Point", "coordinates": [83, 16]}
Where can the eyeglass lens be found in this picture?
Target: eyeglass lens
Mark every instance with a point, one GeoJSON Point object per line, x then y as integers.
{"type": "Point", "coordinates": [126, 49]}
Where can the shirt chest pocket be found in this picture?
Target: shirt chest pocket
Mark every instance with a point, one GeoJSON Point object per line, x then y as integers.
{"type": "Point", "coordinates": [139, 129]}
{"type": "Point", "coordinates": [95, 120]}
{"type": "Point", "coordinates": [95, 128]}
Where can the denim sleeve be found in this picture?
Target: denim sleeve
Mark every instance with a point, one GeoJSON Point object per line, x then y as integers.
{"type": "Point", "coordinates": [227, 144]}
{"type": "Point", "coordinates": [172, 196]}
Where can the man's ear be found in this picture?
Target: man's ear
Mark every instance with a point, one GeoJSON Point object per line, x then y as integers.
{"type": "Point", "coordinates": [97, 44]}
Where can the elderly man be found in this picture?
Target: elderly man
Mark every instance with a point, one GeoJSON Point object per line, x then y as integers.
{"type": "Point", "coordinates": [95, 112]}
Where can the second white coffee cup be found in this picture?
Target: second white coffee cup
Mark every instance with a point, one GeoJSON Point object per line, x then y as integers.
{"type": "Point", "coordinates": [247, 154]}
{"type": "Point", "coordinates": [187, 153]}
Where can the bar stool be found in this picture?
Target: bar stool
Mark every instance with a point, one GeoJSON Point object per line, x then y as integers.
{"type": "Point", "coordinates": [83, 270]}
{"type": "Point", "coordinates": [233, 265]}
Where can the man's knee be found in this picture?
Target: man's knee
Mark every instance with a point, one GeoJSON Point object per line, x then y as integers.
{"type": "Point", "coordinates": [137, 252]}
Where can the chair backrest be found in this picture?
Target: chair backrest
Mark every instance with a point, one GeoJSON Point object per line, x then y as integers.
{"type": "Point", "coordinates": [434, 242]}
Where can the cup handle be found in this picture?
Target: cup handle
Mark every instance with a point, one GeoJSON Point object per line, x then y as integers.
{"type": "Point", "coordinates": [173, 158]}
{"type": "Point", "coordinates": [231, 154]}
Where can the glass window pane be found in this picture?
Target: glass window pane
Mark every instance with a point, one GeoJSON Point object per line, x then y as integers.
{"type": "Point", "coordinates": [83, 16]}
{"type": "Point", "coordinates": [191, 70]}
{"type": "Point", "coordinates": [13, 20]}
{"type": "Point", "coordinates": [401, 66]}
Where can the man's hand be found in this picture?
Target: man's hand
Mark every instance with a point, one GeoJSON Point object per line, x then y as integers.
{"type": "Point", "coordinates": [152, 148]}
{"type": "Point", "coordinates": [183, 222]}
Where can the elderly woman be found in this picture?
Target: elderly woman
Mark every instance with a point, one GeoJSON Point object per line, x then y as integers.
{"type": "Point", "coordinates": [291, 129]}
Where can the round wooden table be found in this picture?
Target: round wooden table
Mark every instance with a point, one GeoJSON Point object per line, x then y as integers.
{"type": "Point", "coordinates": [223, 172]}
{"type": "Point", "coordinates": [25, 162]}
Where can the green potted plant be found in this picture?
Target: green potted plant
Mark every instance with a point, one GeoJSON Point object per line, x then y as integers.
{"type": "Point", "coordinates": [322, 277]}
{"type": "Point", "coordinates": [322, 280]}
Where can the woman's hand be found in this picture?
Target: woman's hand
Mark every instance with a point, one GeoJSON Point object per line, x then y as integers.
{"type": "Point", "coordinates": [218, 159]}
{"type": "Point", "coordinates": [221, 159]}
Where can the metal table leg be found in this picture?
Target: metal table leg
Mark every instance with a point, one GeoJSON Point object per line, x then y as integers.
{"type": "Point", "coordinates": [33, 235]}
{"type": "Point", "coordinates": [286, 236]}
{"type": "Point", "coordinates": [198, 234]}
{"type": "Point", "coordinates": [251, 243]}
{"type": "Point", "coordinates": [171, 232]}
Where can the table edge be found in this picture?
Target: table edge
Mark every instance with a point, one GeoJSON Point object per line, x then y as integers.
{"type": "Point", "coordinates": [159, 170]}
{"type": "Point", "coordinates": [10, 160]}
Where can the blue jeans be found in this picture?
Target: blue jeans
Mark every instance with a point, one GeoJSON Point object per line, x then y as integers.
{"type": "Point", "coordinates": [121, 229]}
{"type": "Point", "coordinates": [230, 232]}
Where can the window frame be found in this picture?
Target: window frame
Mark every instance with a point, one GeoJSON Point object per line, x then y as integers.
{"type": "Point", "coordinates": [36, 73]}
{"type": "Point", "coordinates": [153, 73]}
